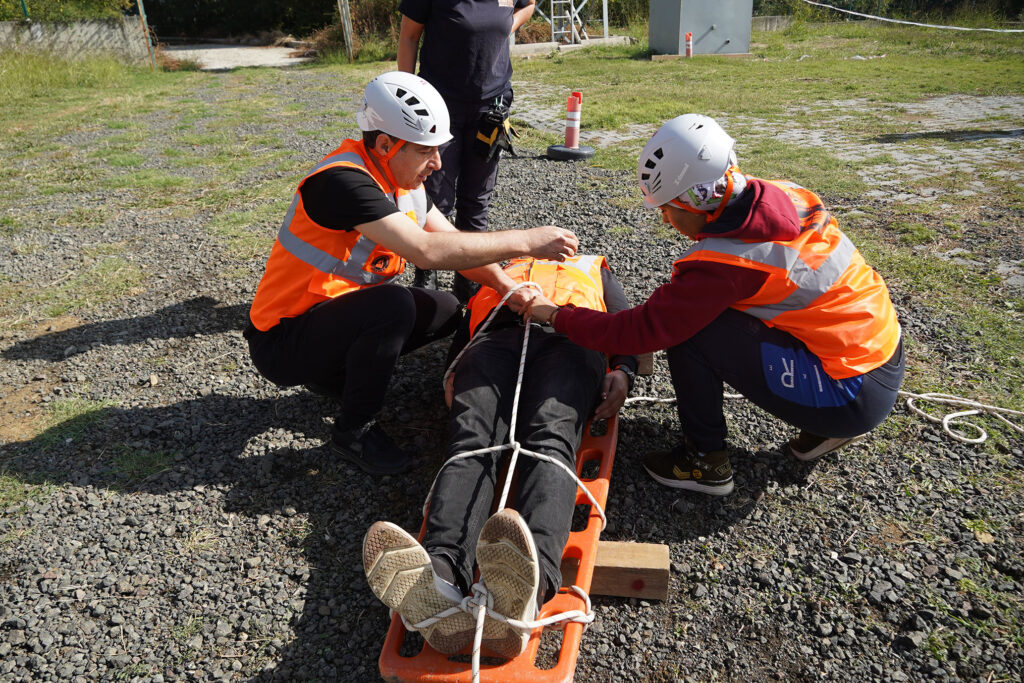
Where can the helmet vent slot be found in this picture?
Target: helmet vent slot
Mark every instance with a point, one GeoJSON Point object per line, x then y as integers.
{"type": "Point", "coordinates": [659, 153]}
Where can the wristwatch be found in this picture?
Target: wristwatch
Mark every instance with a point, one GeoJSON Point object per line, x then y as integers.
{"type": "Point", "coordinates": [628, 371]}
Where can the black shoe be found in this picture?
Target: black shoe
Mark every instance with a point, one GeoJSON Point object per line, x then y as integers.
{"type": "Point", "coordinates": [324, 390]}
{"type": "Point", "coordinates": [684, 467]}
{"type": "Point", "coordinates": [427, 279]}
{"type": "Point", "coordinates": [463, 288]}
{"type": "Point", "coordinates": [371, 449]}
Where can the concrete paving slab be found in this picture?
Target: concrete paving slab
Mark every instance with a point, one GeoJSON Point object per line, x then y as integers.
{"type": "Point", "coordinates": [217, 57]}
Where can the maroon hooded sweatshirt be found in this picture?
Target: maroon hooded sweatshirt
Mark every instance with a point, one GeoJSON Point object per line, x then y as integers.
{"type": "Point", "coordinates": [698, 292]}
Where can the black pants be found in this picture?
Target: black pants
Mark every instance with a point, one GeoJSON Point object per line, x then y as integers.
{"type": "Point", "coordinates": [465, 183]}
{"type": "Point", "coordinates": [349, 346]}
{"type": "Point", "coordinates": [560, 389]}
{"type": "Point", "coordinates": [775, 371]}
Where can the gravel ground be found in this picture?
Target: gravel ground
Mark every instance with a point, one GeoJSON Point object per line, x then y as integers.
{"type": "Point", "coordinates": [194, 526]}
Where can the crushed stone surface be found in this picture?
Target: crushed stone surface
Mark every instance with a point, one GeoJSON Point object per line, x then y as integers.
{"type": "Point", "coordinates": [235, 555]}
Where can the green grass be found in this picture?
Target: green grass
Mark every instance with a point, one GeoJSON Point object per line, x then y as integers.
{"type": "Point", "coordinates": [16, 490]}
{"type": "Point", "coordinates": [104, 280]}
{"type": "Point", "coordinates": [250, 233]}
{"type": "Point", "coordinates": [69, 419]}
{"type": "Point", "coordinates": [130, 466]}
{"type": "Point", "coordinates": [183, 632]}
{"type": "Point", "coordinates": [29, 75]}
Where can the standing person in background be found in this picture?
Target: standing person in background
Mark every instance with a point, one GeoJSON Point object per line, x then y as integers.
{"type": "Point", "coordinates": [465, 55]}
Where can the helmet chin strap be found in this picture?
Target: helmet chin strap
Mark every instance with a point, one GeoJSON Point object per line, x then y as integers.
{"type": "Point", "coordinates": [383, 162]}
{"type": "Point", "coordinates": [711, 216]}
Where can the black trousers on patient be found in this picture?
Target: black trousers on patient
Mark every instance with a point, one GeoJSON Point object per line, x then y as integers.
{"type": "Point", "coordinates": [349, 346]}
{"type": "Point", "coordinates": [560, 390]}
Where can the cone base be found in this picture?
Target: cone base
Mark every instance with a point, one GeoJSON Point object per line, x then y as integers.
{"type": "Point", "coordinates": [563, 153]}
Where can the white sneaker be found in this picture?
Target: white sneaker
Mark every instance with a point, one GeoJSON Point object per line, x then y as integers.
{"type": "Point", "coordinates": [809, 447]}
{"type": "Point", "coordinates": [399, 572]}
{"type": "Point", "coordinates": [507, 557]}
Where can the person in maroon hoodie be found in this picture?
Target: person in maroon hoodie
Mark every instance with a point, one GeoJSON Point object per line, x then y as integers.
{"type": "Point", "coordinates": [771, 298]}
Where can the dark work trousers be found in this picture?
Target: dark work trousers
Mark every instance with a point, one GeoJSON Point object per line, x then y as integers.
{"type": "Point", "coordinates": [775, 371]}
{"type": "Point", "coordinates": [349, 345]}
{"type": "Point", "coordinates": [466, 181]}
{"type": "Point", "coordinates": [560, 390]}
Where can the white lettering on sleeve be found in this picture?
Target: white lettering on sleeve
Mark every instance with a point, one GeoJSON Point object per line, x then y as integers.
{"type": "Point", "coordinates": [789, 370]}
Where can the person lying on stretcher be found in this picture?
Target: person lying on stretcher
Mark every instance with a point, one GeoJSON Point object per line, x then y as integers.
{"type": "Point", "coordinates": [518, 553]}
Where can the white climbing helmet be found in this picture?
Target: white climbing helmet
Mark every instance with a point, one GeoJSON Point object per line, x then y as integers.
{"type": "Point", "coordinates": [405, 107]}
{"type": "Point", "coordinates": [688, 150]}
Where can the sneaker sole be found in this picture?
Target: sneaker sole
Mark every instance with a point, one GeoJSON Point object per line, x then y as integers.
{"type": "Point", "coordinates": [723, 489]}
{"type": "Point", "coordinates": [399, 573]}
{"type": "Point", "coordinates": [507, 557]}
{"type": "Point", "coordinates": [811, 456]}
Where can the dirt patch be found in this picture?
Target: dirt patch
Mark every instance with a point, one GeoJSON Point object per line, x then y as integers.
{"type": "Point", "coordinates": [22, 413]}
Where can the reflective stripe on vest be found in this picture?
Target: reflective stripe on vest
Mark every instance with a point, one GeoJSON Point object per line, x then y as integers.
{"type": "Point", "coordinates": [811, 283]}
{"type": "Point", "coordinates": [351, 268]}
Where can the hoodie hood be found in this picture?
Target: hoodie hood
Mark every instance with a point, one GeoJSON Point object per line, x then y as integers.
{"type": "Point", "coordinates": [762, 213]}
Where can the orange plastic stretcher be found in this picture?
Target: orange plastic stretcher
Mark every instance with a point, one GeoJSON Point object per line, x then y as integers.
{"type": "Point", "coordinates": [430, 665]}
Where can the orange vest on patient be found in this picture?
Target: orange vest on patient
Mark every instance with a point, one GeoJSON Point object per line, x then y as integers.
{"type": "Point", "coordinates": [310, 263]}
{"type": "Point", "coordinates": [575, 281]}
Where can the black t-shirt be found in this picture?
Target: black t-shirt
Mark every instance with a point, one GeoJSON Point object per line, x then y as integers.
{"type": "Point", "coordinates": [465, 51]}
{"type": "Point", "coordinates": [341, 198]}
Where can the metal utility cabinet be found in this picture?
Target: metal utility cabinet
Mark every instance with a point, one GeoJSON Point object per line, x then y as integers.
{"type": "Point", "coordinates": [719, 27]}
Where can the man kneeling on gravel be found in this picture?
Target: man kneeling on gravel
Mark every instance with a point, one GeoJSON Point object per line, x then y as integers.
{"type": "Point", "coordinates": [518, 553]}
{"type": "Point", "coordinates": [772, 298]}
{"type": "Point", "coordinates": [326, 314]}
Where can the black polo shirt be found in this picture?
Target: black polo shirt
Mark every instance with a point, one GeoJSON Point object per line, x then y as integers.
{"type": "Point", "coordinates": [341, 198]}
{"type": "Point", "coordinates": [464, 50]}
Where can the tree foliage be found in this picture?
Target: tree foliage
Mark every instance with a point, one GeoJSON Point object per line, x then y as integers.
{"type": "Point", "coordinates": [223, 18]}
{"type": "Point", "coordinates": [63, 10]}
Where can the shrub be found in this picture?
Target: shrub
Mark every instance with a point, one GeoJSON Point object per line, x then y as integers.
{"type": "Point", "coordinates": [64, 10]}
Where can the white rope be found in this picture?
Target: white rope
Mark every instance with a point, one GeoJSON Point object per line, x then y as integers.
{"type": "Point", "coordinates": [480, 603]}
{"type": "Point", "coordinates": [655, 399]}
{"type": "Point", "coordinates": [914, 23]}
{"type": "Point", "coordinates": [947, 421]}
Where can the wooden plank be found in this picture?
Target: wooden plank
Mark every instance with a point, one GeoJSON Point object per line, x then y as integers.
{"type": "Point", "coordinates": [626, 570]}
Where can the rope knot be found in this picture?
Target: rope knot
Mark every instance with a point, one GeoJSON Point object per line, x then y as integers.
{"type": "Point", "coordinates": [479, 597]}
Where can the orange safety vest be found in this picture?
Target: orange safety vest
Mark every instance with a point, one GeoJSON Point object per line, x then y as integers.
{"type": "Point", "coordinates": [576, 281]}
{"type": "Point", "coordinates": [819, 289]}
{"type": "Point", "coordinates": [310, 263]}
